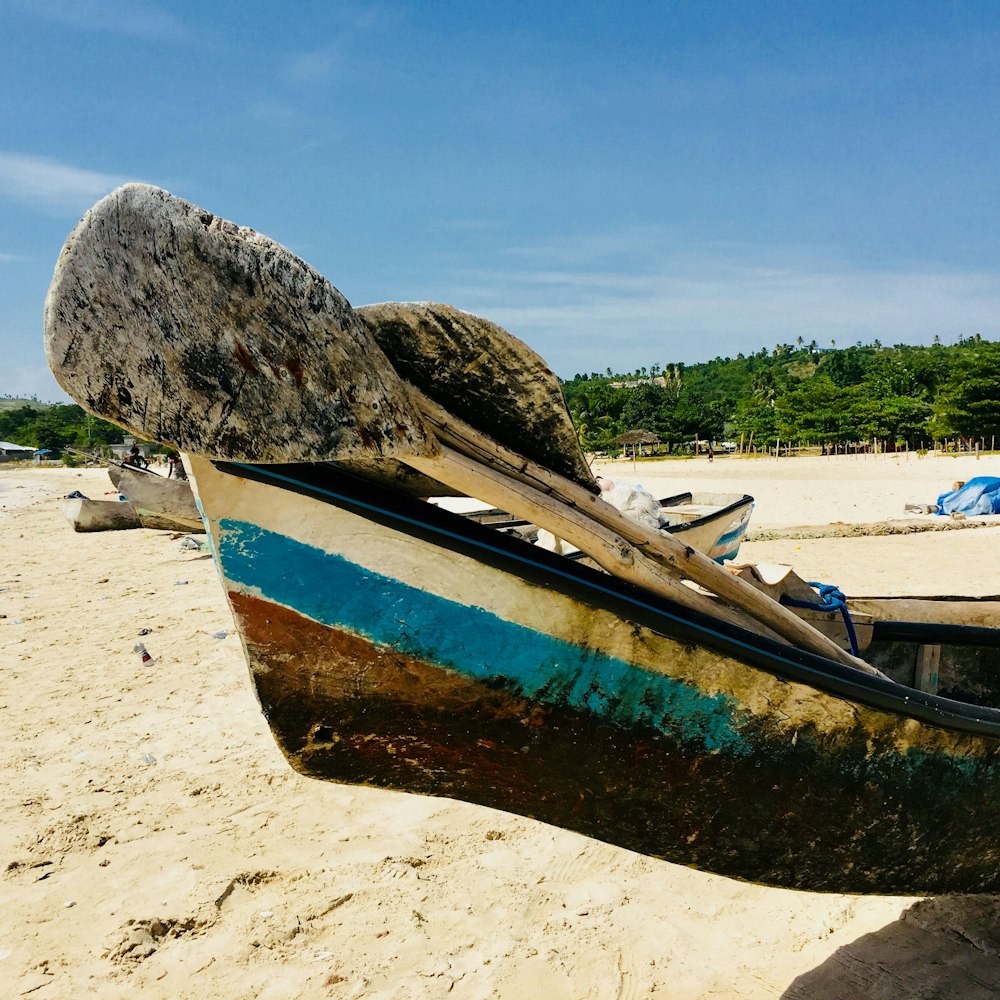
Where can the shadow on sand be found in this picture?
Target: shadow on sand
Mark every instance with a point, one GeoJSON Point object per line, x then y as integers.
{"type": "Point", "coordinates": [945, 947]}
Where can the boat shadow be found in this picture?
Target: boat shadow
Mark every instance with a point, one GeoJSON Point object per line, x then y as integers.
{"type": "Point", "coordinates": [943, 947]}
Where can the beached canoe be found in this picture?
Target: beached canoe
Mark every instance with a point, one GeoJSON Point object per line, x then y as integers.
{"type": "Point", "coordinates": [399, 645]}
{"type": "Point", "coordinates": [395, 644]}
{"type": "Point", "coordinates": [100, 515]}
{"type": "Point", "coordinates": [712, 523]}
{"type": "Point", "coordinates": [165, 504]}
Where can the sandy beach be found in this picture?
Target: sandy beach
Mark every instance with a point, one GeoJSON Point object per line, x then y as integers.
{"type": "Point", "coordinates": [156, 843]}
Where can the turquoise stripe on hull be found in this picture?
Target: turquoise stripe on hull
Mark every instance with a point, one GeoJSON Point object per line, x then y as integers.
{"type": "Point", "coordinates": [334, 591]}
{"type": "Point", "coordinates": [728, 544]}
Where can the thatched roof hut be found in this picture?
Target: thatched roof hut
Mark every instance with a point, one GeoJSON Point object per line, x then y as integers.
{"type": "Point", "coordinates": [638, 437]}
{"type": "Point", "coordinates": [632, 441]}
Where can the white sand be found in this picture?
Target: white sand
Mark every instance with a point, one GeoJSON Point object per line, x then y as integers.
{"type": "Point", "coordinates": [155, 842]}
{"type": "Point", "coordinates": [855, 489]}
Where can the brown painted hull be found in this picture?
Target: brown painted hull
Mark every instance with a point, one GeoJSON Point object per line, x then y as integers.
{"type": "Point", "coordinates": [335, 719]}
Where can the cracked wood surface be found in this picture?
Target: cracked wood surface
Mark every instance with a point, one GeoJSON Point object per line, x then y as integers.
{"type": "Point", "coordinates": [485, 376]}
{"type": "Point", "coordinates": [249, 355]}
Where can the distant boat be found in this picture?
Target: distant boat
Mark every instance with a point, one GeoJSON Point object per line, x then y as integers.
{"type": "Point", "coordinates": [165, 504]}
{"type": "Point", "coordinates": [662, 704]}
{"type": "Point", "coordinates": [100, 515]}
{"type": "Point", "coordinates": [713, 523]}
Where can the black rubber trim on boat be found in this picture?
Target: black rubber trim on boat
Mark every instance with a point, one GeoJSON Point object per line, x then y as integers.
{"type": "Point", "coordinates": [934, 633]}
{"type": "Point", "coordinates": [677, 529]}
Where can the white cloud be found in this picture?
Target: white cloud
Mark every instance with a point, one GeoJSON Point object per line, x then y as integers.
{"type": "Point", "coordinates": [346, 24]}
{"type": "Point", "coordinates": [694, 303]}
{"type": "Point", "coordinates": [52, 185]}
{"type": "Point", "coordinates": [471, 225]}
{"type": "Point", "coordinates": [276, 113]}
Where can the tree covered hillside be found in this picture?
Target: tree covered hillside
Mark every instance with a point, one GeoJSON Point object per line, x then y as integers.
{"type": "Point", "coordinates": [55, 426]}
{"type": "Point", "coordinates": [899, 396]}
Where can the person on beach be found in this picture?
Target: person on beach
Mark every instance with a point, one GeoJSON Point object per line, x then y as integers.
{"type": "Point", "coordinates": [175, 467]}
{"type": "Point", "coordinates": [711, 452]}
{"type": "Point", "coordinates": [135, 458]}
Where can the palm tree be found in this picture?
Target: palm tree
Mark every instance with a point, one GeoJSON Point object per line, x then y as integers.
{"type": "Point", "coordinates": [763, 387]}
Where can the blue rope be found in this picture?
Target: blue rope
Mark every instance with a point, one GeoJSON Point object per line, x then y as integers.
{"type": "Point", "coordinates": [831, 599]}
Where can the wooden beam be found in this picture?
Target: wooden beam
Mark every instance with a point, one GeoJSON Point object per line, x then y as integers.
{"type": "Point", "coordinates": [926, 674]}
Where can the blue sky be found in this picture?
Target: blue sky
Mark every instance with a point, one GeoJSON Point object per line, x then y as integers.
{"type": "Point", "coordinates": [619, 184]}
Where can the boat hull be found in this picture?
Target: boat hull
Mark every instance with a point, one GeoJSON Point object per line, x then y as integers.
{"type": "Point", "coordinates": [393, 653]}
{"type": "Point", "coordinates": [100, 515]}
{"type": "Point", "coordinates": [711, 523]}
{"type": "Point", "coordinates": [161, 503]}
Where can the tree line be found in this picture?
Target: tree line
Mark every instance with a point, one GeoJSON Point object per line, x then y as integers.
{"type": "Point", "coordinates": [56, 426]}
{"type": "Point", "coordinates": [901, 396]}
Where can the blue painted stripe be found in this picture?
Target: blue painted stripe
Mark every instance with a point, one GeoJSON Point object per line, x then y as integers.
{"type": "Point", "coordinates": [272, 477]}
{"type": "Point", "coordinates": [727, 545]}
{"type": "Point", "coordinates": [472, 641]}
{"type": "Point", "coordinates": [732, 536]}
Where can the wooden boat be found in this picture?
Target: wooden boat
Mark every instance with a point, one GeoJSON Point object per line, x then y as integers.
{"type": "Point", "coordinates": [100, 515]}
{"type": "Point", "coordinates": [395, 644]}
{"type": "Point", "coordinates": [712, 523]}
{"type": "Point", "coordinates": [165, 504]}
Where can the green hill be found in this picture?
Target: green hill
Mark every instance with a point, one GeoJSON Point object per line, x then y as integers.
{"type": "Point", "coordinates": [901, 396]}
{"type": "Point", "coordinates": [53, 425]}
{"type": "Point", "coordinates": [13, 402]}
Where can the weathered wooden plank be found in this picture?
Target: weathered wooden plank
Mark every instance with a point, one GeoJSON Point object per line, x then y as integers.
{"type": "Point", "coordinates": [190, 330]}
{"type": "Point", "coordinates": [928, 664]}
{"type": "Point", "coordinates": [627, 548]}
{"type": "Point", "coordinates": [484, 375]}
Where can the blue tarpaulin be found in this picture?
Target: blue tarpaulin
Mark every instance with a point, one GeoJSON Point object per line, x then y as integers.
{"type": "Point", "coordinates": [978, 496]}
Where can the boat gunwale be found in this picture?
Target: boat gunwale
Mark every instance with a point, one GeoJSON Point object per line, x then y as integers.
{"type": "Point", "coordinates": [350, 491]}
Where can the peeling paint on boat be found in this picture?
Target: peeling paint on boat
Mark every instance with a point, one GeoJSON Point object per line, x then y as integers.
{"type": "Point", "coordinates": [470, 640]}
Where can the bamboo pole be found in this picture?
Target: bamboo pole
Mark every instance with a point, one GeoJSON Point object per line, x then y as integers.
{"type": "Point", "coordinates": [480, 467]}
